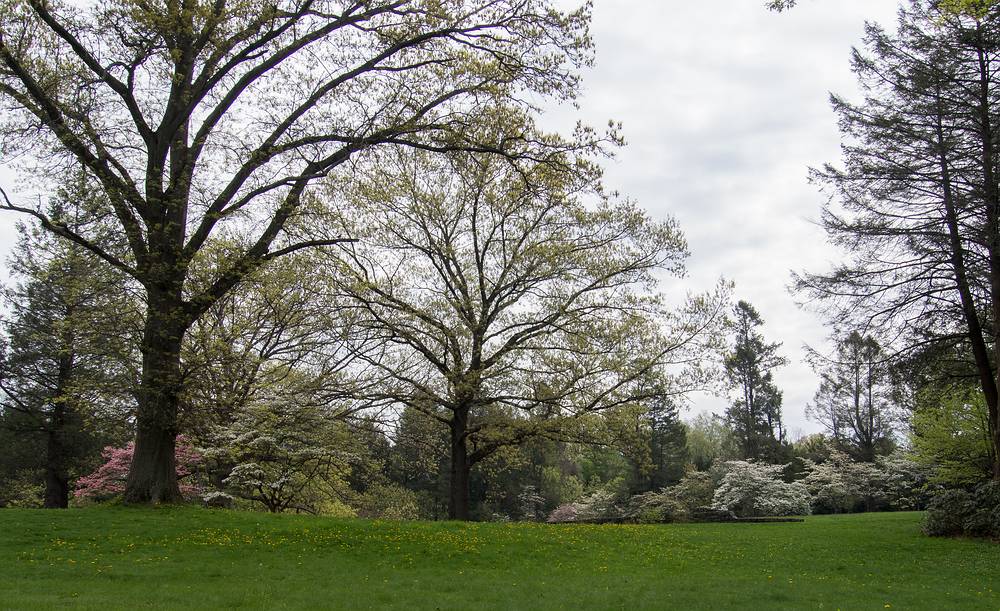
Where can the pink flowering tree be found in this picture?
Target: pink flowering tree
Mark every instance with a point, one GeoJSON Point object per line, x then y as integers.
{"type": "Point", "coordinates": [109, 479]}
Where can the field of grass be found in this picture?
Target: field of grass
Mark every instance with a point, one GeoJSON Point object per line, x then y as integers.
{"type": "Point", "coordinates": [119, 558]}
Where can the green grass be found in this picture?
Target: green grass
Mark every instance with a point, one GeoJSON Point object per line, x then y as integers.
{"type": "Point", "coordinates": [190, 558]}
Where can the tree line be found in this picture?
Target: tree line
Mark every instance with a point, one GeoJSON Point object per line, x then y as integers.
{"type": "Point", "coordinates": [295, 261]}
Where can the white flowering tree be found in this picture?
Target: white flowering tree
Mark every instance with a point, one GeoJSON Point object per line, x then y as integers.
{"type": "Point", "coordinates": [284, 457]}
{"type": "Point", "coordinates": [753, 489]}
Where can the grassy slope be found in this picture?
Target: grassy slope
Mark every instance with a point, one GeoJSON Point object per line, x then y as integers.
{"type": "Point", "coordinates": [190, 558]}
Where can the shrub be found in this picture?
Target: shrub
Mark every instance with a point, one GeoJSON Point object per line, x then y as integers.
{"type": "Point", "coordinates": [530, 505]}
{"type": "Point", "coordinates": [282, 456]}
{"type": "Point", "coordinates": [335, 509]}
{"type": "Point", "coordinates": [609, 502]}
{"type": "Point", "coordinates": [218, 500]}
{"type": "Point", "coordinates": [696, 489]}
{"type": "Point", "coordinates": [598, 505]}
{"type": "Point", "coordinates": [659, 507]}
{"type": "Point", "coordinates": [954, 512]}
{"type": "Point", "coordinates": [904, 482]}
{"type": "Point", "coordinates": [840, 485]}
{"type": "Point", "coordinates": [750, 489]}
{"type": "Point", "coordinates": [559, 488]}
{"type": "Point", "coordinates": [23, 490]}
{"type": "Point", "coordinates": [947, 512]}
{"type": "Point", "coordinates": [563, 513]}
{"type": "Point", "coordinates": [984, 517]}
{"type": "Point", "coordinates": [389, 502]}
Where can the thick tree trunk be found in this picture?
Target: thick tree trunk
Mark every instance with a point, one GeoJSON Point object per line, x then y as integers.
{"type": "Point", "coordinates": [458, 500]}
{"type": "Point", "coordinates": [152, 477]}
{"type": "Point", "coordinates": [56, 469]}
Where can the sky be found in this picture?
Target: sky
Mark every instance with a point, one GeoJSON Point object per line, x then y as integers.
{"type": "Point", "coordinates": [725, 107]}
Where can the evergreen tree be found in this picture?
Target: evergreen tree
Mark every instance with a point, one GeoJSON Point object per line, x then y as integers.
{"type": "Point", "coordinates": [755, 414]}
{"type": "Point", "coordinates": [855, 400]}
{"type": "Point", "coordinates": [66, 377]}
{"type": "Point", "coordinates": [668, 445]}
{"type": "Point", "coordinates": [916, 203]}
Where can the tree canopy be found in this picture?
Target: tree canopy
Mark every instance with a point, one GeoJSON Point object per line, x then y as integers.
{"type": "Point", "coordinates": [212, 120]}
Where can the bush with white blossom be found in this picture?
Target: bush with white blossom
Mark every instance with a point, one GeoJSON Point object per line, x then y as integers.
{"type": "Point", "coordinates": [753, 489]}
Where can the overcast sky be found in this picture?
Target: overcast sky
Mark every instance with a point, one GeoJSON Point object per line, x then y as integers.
{"type": "Point", "coordinates": [724, 107]}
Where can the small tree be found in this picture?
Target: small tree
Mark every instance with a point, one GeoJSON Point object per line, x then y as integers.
{"type": "Point", "coordinates": [753, 489]}
{"type": "Point", "coordinates": [284, 457]}
{"type": "Point", "coordinates": [709, 441]}
{"type": "Point", "coordinates": [66, 375]}
{"type": "Point", "coordinates": [855, 401]}
{"type": "Point", "coordinates": [950, 434]}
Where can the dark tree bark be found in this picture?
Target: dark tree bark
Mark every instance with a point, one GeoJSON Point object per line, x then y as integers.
{"type": "Point", "coordinates": [56, 463]}
{"type": "Point", "coordinates": [57, 452]}
{"type": "Point", "coordinates": [153, 475]}
{"type": "Point", "coordinates": [458, 484]}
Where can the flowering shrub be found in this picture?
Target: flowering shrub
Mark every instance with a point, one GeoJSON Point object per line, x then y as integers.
{"type": "Point", "coordinates": [904, 482]}
{"type": "Point", "coordinates": [108, 481]}
{"type": "Point", "coordinates": [563, 513]}
{"type": "Point", "coordinates": [696, 489]}
{"type": "Point", "coordinates": [218, 500]}
{"type": "Point", "coordinates": [282, 456]}
{"type": "Point", "coordinates": [609, 502]}
{"type": "Point", "coordinates": [751, 489]}
{"type": "Point", "coordinates": [841, 484]}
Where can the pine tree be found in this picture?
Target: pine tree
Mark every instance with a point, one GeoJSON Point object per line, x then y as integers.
{"type": "Point", "coordinates": [916, 203]}
{"type": "Point", "coordinates": [755, 414]}
{"type": "Point", "coordinates": [66, 376]}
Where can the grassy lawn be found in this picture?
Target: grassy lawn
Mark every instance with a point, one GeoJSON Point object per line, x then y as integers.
{"type": "Point", "coordinates": [193, 558]}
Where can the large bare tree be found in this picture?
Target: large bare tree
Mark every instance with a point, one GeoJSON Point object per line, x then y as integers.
{"type": "Point", "coordinates": [513, 304]}
{"type": "Point", "coordinates": [203, 119]}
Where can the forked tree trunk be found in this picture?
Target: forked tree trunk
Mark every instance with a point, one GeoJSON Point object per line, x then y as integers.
{"type": "Point", "coordinates": [152, 477]}
{"type": "Point", "coordinates": [458, 501]}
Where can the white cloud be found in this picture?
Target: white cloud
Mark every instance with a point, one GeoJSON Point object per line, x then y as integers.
{"type": "Point", "coordinates": [725, 106]}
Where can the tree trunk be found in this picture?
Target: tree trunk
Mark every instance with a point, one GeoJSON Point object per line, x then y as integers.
{"type": "Point", "coordinates": [995, 434]}
{"type": "Point", "coordinates": [152, 477]}
{"type": "Point", "coordinates": [458, 501]}
{"type": "Point", "coordinates": [989, 373]}
{"type": "Point", "coordinates": [56, 451]}
{"type": "Point", "coordinates": [991, 387]}
{"type": "Point", "coordinates": [56, 471]}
